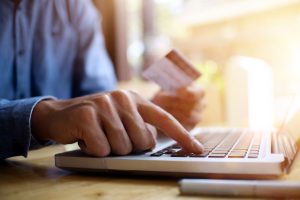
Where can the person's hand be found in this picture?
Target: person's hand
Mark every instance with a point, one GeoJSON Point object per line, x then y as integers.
{"type": "Point", "coordinates": [185, 105]}
{"type": "Point", "coordinates": [104, 123]}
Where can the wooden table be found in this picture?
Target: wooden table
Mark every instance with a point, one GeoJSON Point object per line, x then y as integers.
{"type": "Point", "coordinates": [36, 177]}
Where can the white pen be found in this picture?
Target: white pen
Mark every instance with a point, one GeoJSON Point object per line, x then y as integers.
{"type": "Point", "coordinates": [246, 188]}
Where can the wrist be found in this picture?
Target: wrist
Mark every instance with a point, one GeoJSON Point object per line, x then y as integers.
{"type": "Point", "coordinates": [40, 116]}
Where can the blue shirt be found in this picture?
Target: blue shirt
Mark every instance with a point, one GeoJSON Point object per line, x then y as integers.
{"type": "Point", "coordinates": [48, 49]}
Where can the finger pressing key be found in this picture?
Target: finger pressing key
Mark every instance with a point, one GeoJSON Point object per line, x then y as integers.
{"type": "Point", "coordinates": [164, 121]}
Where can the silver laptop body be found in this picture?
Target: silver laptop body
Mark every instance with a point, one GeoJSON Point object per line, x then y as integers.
{"type": "Point", "coordinates": [238, 153]}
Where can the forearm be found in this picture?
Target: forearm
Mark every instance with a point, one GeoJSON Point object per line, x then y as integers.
{"type": "Point", "coordinates": [15, 127]}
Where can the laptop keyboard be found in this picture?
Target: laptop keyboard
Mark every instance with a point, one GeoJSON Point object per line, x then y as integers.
{"type": "Point", "coordinates": [231, 144]}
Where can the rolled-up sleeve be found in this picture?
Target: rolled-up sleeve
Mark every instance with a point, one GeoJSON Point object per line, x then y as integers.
{"type": "Point", "coordinates": [15, 127]}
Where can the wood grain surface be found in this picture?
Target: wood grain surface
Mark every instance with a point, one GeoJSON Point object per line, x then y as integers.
{"type": "Point", "coordinates": [36, 177]}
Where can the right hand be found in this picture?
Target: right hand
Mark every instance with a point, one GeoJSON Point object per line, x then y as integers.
{"type": "Point", "coordinates": [104, 123]}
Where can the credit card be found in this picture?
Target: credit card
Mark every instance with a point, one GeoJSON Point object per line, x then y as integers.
{"type": "Point", "coordinates": [171, 72]}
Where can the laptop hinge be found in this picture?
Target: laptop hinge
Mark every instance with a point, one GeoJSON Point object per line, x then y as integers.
{"type": "Point", "coordinates": [284, 143]}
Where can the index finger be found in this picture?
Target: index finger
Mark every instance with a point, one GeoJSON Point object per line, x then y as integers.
{"type": "Point", "coordinates": [159, 118]}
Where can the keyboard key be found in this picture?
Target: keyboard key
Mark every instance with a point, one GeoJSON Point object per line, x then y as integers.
{"type": "Point", "coordinates": [157, 154]}
{"type": "Point", "coordinates": [220, 148]}
{"type": "Point", "coordinates": [236, 155]}
{"type": "Point", "coordinates": [180, 154]}
{"type": "Point", "coordinates": [170, 151]}
{"type": "Point", "coordinates": [219, 151]}
{"type": "Point", "coordinates": [255, 146]}
{"type": "Point", "coordinates": [176, 146]}
{"type": "Point", "coordinates": [204, 154]}
{"type": "Point", "coordinates": [252, 155]}
{"type": "Point", "coordinates": [240, 148]}
{"type": "Point", "coordinates": [208, 149]}
{"type": "Point", "coordinates": [238, 151]}
{"type": "Point", "coordinates": [210, 146]}
{"type": "Point", "coordinates": [217, 155]}
{"type": "Point", "coordinates": [235, 143]}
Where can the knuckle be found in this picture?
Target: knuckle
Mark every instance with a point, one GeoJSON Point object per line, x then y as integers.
{"type": "Point", "coordinates": [138, 98]}
{"type": "Point", "coordinates": [105, 105]}
{"type": "Point", "coordinates": [103, 101]}
{"type": "Point", "coordinates": [86, 112]}
{"type": "Point", "coordinates": [122, 99]}
{"type": "Point", "coordinates": [120, 93]}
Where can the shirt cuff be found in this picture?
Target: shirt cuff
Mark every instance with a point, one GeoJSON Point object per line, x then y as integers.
{"type": "Point", "coordinates": [34, 142]}
{"type": "Point", "coordinates": [23, 140]}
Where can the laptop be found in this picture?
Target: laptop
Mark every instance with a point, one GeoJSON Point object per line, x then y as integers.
{"type": "Point", "coordinates": [229, 153]}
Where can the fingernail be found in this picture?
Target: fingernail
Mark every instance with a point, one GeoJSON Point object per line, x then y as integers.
{"type": "Point", "coordinates": [197, 146]}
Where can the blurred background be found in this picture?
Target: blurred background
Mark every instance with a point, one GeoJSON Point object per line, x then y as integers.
{"type": "Point", "coordinates": [247, 50]}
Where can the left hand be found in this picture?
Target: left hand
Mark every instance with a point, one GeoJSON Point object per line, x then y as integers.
{"type": "Point", "coordinates": [185, 105]}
